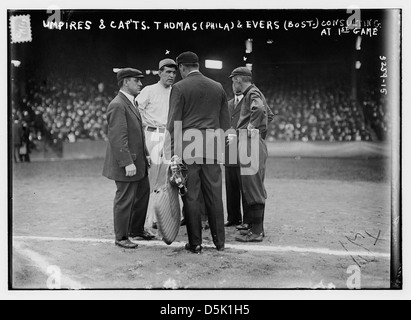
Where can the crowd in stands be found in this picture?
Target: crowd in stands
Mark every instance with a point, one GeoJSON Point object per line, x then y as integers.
{"type": "Point", "coordinates": [377, 112]}
{"type": "Point", "coordinates": [314, 108]}
{"type": "Point", "coordinates": [67, 109]}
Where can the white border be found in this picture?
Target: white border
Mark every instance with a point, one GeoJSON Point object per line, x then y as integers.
{"type": "Point", "coordinates": [204, 295]}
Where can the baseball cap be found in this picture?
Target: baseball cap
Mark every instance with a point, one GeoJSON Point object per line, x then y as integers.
{"type": "Point", "coordinates": [187, 57]}
{"type": "Point", "coordinates": [167, 62]}
{"type": "Point", "coordinates": [129, 73]}
{"type": "Point", "coordinates": [241, 71]}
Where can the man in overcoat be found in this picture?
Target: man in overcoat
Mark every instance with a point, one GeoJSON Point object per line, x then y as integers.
{"type": "Point", "coordinates": [255, 116]}
{"type": "Point", "coordinates": [127, 161]}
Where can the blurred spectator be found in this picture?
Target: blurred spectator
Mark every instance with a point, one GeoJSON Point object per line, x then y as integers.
{"type": "Point", "coordinates": [17, 138]}
{"type": "Point", "coordinates": [25, 148]}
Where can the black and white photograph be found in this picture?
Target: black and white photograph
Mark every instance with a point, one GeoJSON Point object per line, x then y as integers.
{"type": "Point", "coordinates": [212, 149]}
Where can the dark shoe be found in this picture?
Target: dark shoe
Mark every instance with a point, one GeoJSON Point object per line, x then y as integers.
{"type": "Point", "coordinates": [144, 236]}
{"type": "Point", "coordinates": [250, 237]}
{"type": "Point", "coordinates": [126, 244]}
{"type": "Point", "coordinates": [154, 226]}
{"type": "Point", "coordinates": [232, 224]}
{"type": "Point", "coordinates": [220, 248]}
{"type": "Point", "coordinates": [183, 222]}
{"type": "Point", "coordinates": [244, 226]}
{"type": "Point", "coordinates": [193, 249]}
{"type": "Point", "coordinates": [244, 232]}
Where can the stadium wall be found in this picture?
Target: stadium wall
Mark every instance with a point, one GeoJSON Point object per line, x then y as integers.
{"type": "Point", "coordinates": [97, 149]}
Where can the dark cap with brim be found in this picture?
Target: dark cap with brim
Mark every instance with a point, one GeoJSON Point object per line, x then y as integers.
{"type": "Point", "coordinates": [129, 73]}
{"type": "Point", "coordinates": [167, 63]}
{"type": "Point", "coordinates": [241, 71]}
{"type": "Point", "coordinates": [187, 58]}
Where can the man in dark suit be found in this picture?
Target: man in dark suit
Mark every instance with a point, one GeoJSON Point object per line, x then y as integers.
{"type": "Point", "coordinates": [232, 172]}
{"type": "Point", "coordinates": [127, 161]}
{"type": "Point", "coordinates": [198, 107]}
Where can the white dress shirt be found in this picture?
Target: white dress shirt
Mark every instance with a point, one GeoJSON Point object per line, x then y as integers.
{"type": "Point", "coordinates": [238, 98]}
{"type": "Point", "coordinates": [129, 97]}
{"type": "Point", "coordinates": [153, 103]}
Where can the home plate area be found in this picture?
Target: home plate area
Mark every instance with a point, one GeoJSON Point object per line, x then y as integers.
{"type": "Point", "coordinates": [327, 226]}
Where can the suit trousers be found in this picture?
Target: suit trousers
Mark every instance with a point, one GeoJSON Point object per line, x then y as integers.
{"type": "Point", "coordinates": [130, 207]}
{"type": "Point", "coordinates": [252, 182]}
{"type": "Point", "coordinates": [205, 178]}
{"type": "Point", "coordinates": [235, 197]}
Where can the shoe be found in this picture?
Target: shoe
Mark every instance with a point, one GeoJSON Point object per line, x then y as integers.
{"type": "Point", "coordinates": [250, 237]}
{"type": "Point", "coordinates": [154, 226]}
{"type": "Point", "coordinates": [193, 249]}
{"type": "Point", "coordinates": [220, 248]}
{"type": "Point", "coordinates": [244, 226]}
{"type": "Point", "coordinates": [244, 232]}
{"type": "Point", "coordinates": [183, 222]}
{"type": "Point", "coordinates": [144, 236]}
{"type": "Point", "coordinates": [126, 244]}
{"type": "Point", "coordinates": [231, 224]}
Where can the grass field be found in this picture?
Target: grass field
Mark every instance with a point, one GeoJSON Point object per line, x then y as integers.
{"type": "Point", "coordinates": [323, 217]}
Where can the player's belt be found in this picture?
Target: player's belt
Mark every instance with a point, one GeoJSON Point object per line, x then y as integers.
{"type": "Point", "coordinates": [155, 129]}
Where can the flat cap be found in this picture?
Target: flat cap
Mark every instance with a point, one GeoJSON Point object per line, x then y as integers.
{"type": "Point", "coordinates": [129, 73]}
{"type": "Point", "coordinates": [167, 62]}
{"type": "Point", "coordinates": [241, 71]}
{"type": "Point", "coordinates": [187, 57]}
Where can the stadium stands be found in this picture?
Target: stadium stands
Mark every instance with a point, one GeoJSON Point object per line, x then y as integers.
{"type": "Point", "coordinates": [314, 106]}
{"type": "Point", "coordinates": [307, 106]}
{"type": "Point", "coordinates": [67, 109]}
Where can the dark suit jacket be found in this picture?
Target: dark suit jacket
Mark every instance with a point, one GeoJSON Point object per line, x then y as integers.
{"type": "Point", "coordinates": [255, 110]}
{"type": "Point", "coordinates": [126, 143]}
{"type": "Point", "coordinates": [234, 113]}
{"type": "Point", "coordinates": [199, 103]}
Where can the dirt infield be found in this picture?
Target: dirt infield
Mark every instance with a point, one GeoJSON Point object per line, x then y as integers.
{"type": "Point", "coordinates": [324, 218]}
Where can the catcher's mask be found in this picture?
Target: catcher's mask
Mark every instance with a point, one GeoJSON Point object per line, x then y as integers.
{"type": "Point", "coordinates": [177, 172]}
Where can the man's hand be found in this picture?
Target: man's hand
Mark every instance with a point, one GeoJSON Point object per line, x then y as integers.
{"type": "Point", "coordinates": [252, 131]}
{"type": "Point", "coordinates": [149, 161]}
{"type": "Point", "coordinates": [131, 170]}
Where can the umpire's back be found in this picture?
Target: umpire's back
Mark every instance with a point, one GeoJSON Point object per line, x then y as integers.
{"type": "Point", "coordinates": [197, 102]}
{"type": "Point", "coordinates": [205, 100]}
